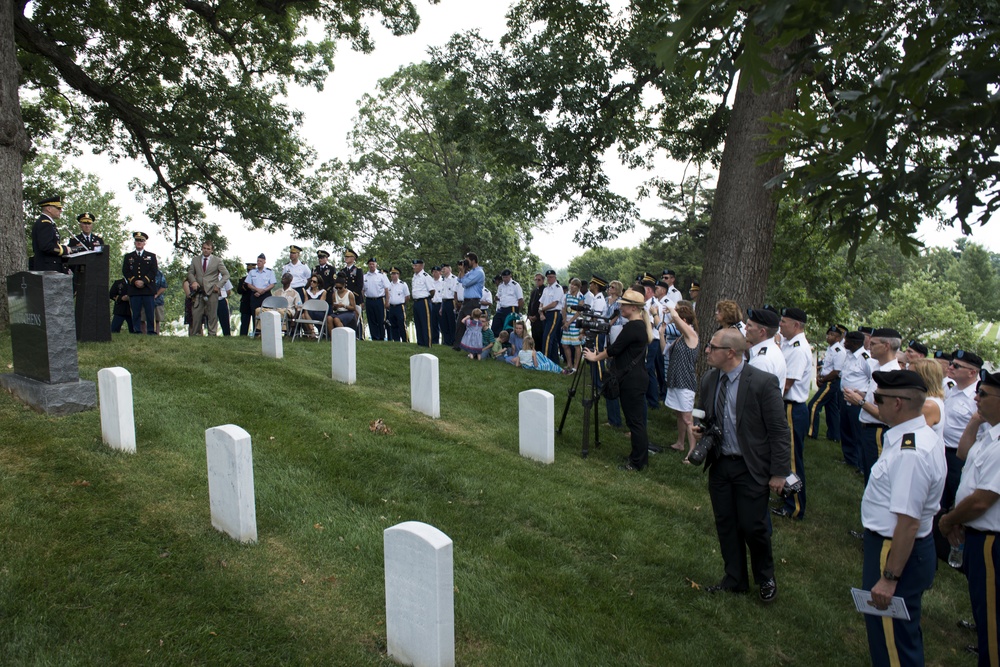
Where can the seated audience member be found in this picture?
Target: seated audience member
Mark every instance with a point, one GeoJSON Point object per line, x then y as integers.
{"type": "Point", "coordinates": [314, 290]}
{"type": "Point", "coordinates": [294, 302]}
{"type": "Point", "coordinates": [516, 341]}
{"type": "Point", "coordinates": [529, 358]}
{"type": "Point", "coordinates": [501, 345]}
{"type": "Point", "coordinates": [343, 311]}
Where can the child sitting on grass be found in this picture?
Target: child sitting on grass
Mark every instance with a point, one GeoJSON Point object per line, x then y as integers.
{"type": "Point", "coordinates": [528, 358]}
{"type": "Point", "coordinates": [501, 345]}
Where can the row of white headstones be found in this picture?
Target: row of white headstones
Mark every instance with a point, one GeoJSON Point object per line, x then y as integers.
{"type": "Point", "coordinates": [419, 567]}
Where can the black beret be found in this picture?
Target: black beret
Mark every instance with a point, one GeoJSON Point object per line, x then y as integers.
{"type": "Point", "coordinates": [774, 310]}
{"type": "Point", "coordinates": [941, 354]}
{"type": "Point", "coordinates": [833, 329]}
{"type": "Point", "coordinates": [446, 264]}
{"type": "Point", "coordinates": [899, 380]}
{"type": "Point", "coordinates": [322, 253]}
{"type": "Point", "coordinates": [866, 330]}
{"type": "Point", "coordinates": [550, 272]}
{"type": "Point", "coordinates": [796, 314]}
{"type": "Point", "coordinates": [371, 259]}
{"type": "Point", "coordinates": [497, 278]}
{"type": "Point", "coordinates": [856, 336]}
{"type": "Point", "coordinates": [506, 272]}
{"type": "Point", "coordinates": [990, 379]}
{"type": "Point", "coordinates": [968, 357]}
{"type": "Point", "coordinates": [662, 283]}
{"type": "Point", "coordinates": [435, 268]}
{"type": "Point", "coordinates": [762, 316]}
{"type": "Point", "coordinates": [917, 346]}
{"type": "Point", "coordinates": [886, 332]}
{"type": "Point", "coordinates": [418, 261]}
{"type": "Point", "coordinates": [669, 272]}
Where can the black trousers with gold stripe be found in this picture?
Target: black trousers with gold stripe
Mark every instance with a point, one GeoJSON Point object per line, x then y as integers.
{"type": "Point", "coordinates": [982, 557]}
{"type": "Point", "coordinates": [894, 642]}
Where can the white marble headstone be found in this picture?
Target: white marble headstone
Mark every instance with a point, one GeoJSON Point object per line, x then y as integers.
{"type": "Point", "coordinates": [230, 482]}
{"type": "Point", "coordinates": [343, 344]}
{"type": "Point", "coordinates": [419, 595]}
{"type": "Point", "coordinates": [424, 396]}
{"type": "Point", "coordinates": [114, 388]}
{"type": "Point", "coordinates": [537, 422]}
{"type": "Point", "coordinates": [270, 336]}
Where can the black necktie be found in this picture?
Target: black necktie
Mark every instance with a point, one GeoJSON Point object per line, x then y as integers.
{"type": "Point", "coordinates": [720, 401]}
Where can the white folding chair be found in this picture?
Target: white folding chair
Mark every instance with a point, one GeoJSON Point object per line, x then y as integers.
{"type": "Point", "coordinates": [272, 303]}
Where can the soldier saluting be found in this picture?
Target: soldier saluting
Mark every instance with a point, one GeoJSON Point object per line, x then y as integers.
{"type": "Point", "coordinates": [46, 249]}
{"type": "Point", "coordinates": [139, 270]}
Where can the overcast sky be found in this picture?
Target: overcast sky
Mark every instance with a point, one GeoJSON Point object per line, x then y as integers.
{"type": "Point", "coordinates": [329, 116]}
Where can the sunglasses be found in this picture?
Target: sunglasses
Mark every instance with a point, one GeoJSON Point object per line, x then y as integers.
{"type": "Point", "coordinates": [880, 398]}
{"type": "Point", "coordinates": [982, 394]}
{"type": "Point", "coordinates": [967, 368]}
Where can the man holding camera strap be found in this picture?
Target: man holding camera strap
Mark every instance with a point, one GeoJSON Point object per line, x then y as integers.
{"type": "Point", "coordinates": [751, 458]}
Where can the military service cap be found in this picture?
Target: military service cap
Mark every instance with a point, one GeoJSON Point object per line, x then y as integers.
{"type": "Point", "coordinates": [85, 218]}
{"type": "Point", "coordinates": [54, 200]}
{"type": "Point", "coordinates": [294, 248]}
{"type": "Point", "coordinates": [140, 236]}
{"type": "Point", "coordinates": [322, 253]}
{"type": "Point", "coordinates": [599, 281]}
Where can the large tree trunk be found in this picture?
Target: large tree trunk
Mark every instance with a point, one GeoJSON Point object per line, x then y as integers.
{"type": "Point", "coordinates": [741, 233]}
{"type": "Point", "coordinates": [14, 145]}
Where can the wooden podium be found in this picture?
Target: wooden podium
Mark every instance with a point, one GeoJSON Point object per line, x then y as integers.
{"type": "Point", "coordinates": [93, 312]}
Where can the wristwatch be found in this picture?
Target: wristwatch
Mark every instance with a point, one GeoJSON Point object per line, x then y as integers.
{"type": "Point", "coordinates": [890, 575]}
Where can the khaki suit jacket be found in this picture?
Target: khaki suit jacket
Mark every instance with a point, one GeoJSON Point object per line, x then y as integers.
{"type": "Point", "coordinates": [215, 276]}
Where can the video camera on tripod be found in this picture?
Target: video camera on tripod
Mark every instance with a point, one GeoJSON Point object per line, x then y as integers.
{"type": "Point", "coordinates": [593, 324]}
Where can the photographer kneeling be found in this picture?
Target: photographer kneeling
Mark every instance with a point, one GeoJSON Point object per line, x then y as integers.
{"type": "Point", "coordinates": [629, 354]}
{"type": "Point", "coordinates": [749, 458]}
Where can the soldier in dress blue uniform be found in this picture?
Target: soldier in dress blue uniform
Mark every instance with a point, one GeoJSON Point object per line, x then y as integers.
{"type": "Point", "coordinates": [139, 269]}
{"type": "Point", "coordinates": [975, 520]}
{"type": "Point", "coordinates": [85, 237]}
{"type": "Point", "coordinates": [828, 397]}
{"type": "Point", "coordinates": [897, 511]}
{"type": "Point", "coordinates": [355, 282]}
{"type": "Point", "coordinates": [422, 293]}
{"type": "Point", "coordinates": [326, 271]}
{"type": "Point", "coordinates": [46, 248]}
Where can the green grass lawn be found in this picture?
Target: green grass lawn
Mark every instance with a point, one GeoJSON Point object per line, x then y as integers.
{"type": "Point", "coordinates": [109, 558]}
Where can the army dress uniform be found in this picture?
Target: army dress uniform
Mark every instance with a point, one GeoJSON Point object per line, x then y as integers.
{"type": "Point", "coordinates": [856, 374]}
{"type": "Point", "coordinates": [423, 289]}
{"type": "Point", "coordinates": [325, 271]}
{"type": "Point", "coordinates": [872, 430]}
{"type": "Point", "coordinates": [552, 333]}
{"type": "Point", "coordinates": [982, 548]}
{"type": "Point", "coordinates": [46, 247]}
{"type": "Point", "coordinates": [395, 320]}
{"type": "Point", "coordinates": [828, 395]}
{"type": "Point", "coordinates": [509, 297]}
{"type": "Point", "coordinates": [798, 362]}
{"type": "Point", "coordinates": [81, 239]}
{"type": "Point", "coordinates": [906, 480]}
{"type": "Point", "coordinates": [140, 266]}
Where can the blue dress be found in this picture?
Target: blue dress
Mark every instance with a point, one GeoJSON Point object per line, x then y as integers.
{"type": "Point", "coordinates": [472, 341]}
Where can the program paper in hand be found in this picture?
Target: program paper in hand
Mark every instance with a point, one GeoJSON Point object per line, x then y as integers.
{"type": "Point", "coordinates": [863, 603]}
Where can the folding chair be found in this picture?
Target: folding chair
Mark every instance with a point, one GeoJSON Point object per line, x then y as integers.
{"type": "Point", "coordinates": [313, 306]}
{"type": "Point", "coordinates": [273, 303]}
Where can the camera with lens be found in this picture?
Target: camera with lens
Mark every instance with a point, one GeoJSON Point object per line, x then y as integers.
{"type": "Point", "coordinates": [590, 322]}
{"type": "Point", "coordinates": [711, 437]}
{"type": "Point", "coordinates": [792, 485]}
{"type": "Point", "coordinates": [464, 263]}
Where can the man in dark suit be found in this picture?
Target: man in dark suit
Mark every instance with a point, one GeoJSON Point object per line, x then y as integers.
{"type": "Point", "coordinates": [751, 458]}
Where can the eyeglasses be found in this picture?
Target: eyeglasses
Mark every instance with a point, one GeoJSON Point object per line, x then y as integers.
{"type": "Point", "coordinates": [982, 394]}
{"type": "Point", "coordinates": [713, 348]}
{"type": "Point", "coordinates": [880, 398]}
{"type": "Point", "coordinates": [967, 368]}
{"type": "Point", "coordinates": [313, 282]}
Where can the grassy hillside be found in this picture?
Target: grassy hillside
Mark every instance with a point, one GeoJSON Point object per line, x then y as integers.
{"type": "Point", "coordinates": [108, 558]}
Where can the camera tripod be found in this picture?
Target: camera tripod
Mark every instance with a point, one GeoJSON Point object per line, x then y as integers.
{"type": "Point", "coordinates": [584, 374]}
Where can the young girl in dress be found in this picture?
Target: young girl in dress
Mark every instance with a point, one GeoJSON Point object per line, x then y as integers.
{"type": "Point", "coordinates": [528, 358]}
{"type": "Point", "coordinates": [571, 341]}
{"type": "Point", "coordinates": [472, 341]}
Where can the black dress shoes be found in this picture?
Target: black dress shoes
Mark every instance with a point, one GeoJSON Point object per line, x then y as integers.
{"type": "Point", "coordinates": [768, 590]}
{"type": "Point", "coordinates": [719, 588]}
